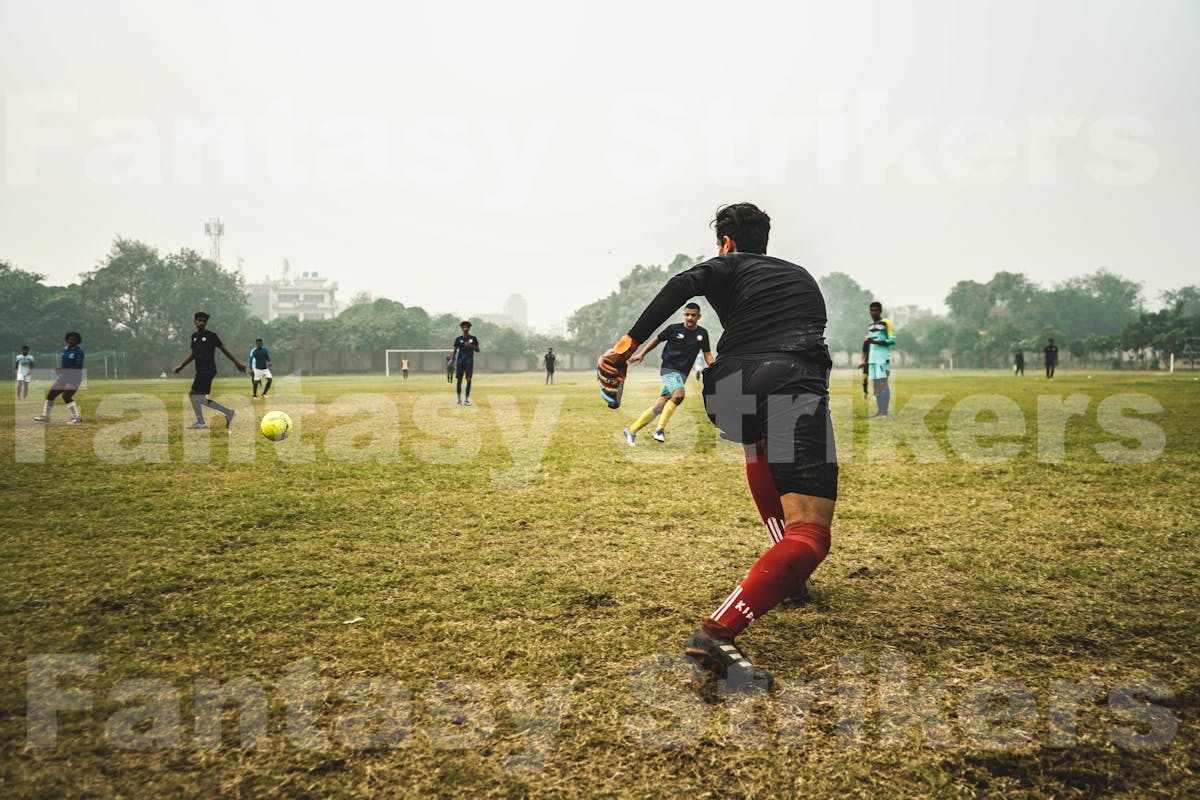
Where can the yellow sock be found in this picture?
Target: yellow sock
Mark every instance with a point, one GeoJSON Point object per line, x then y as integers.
{"type": "Point", "coordinates": [643, 420]}
{"type": "Point", "coordinates": [665, 416]}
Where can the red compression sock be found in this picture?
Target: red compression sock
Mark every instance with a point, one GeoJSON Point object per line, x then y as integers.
{"type": "Point", "coordinates": [776, 574]}
{"type": "Point", "coordinates": [762, 489]}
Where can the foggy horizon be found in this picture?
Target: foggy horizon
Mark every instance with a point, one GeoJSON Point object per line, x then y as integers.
{"type": "Point", "coordinates": [446, 159]}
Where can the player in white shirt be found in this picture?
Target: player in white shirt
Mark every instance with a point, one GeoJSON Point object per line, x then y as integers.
{"type": "Point", "coordinates": [24, 368]}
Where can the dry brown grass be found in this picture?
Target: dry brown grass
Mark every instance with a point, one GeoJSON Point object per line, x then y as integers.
{"type": "Point", "coordinates": [567, 584]}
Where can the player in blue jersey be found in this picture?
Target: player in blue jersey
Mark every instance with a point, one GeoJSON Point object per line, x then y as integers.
{"type": "Point", "coordinates": [260, 368]}
{"type": "Point", "coordinates": [683, 343]}
{"type": "Point", "coordinates": [68, 377]}
{"type": "Point", "coordinates": [465, 348]}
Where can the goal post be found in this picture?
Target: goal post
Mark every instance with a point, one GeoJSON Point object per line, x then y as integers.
{"type": "Point", "coordinates": [401, 352]}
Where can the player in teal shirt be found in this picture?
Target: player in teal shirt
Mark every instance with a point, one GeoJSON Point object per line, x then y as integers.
{"type": "Point", "coordinates": [881, 338]}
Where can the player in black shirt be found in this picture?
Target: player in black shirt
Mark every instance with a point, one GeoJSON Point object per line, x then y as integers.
{"type": "Point", "coordinates": [1050, 357]}
{"type": "Point", "coordinates": [769, 390]}
{"type": "Point", "coordinates": [205, 344]}
{"type": "Point", "coordinates": [465, 348]}
{"type": "Point", "coordinates": [682, 342]}
{"type": "Point", "coordinates": [1019, 363]}
{"type": "Point", "coordinates": [549, 360]}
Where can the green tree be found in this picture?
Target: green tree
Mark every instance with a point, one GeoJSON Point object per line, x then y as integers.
{"type": "Point", "coordinates": [1184, 301]}
{"type": "Point", "coordinates": [1098, 304]}
{"type": "Point", "coordinates": [846, 306]}
{"type": "Point", "coordinates": [146, 302]}
{"type": "Point", "coordinates": [1010, 311]}
{"type": "Point", "coordinates": [382, 324]}
{"type": "Point", "coordinates": [38, 315]}
{"type": "Point", "coordinates": [1165, 331]}
{"type": "Point", "coordinates": [595, 326]}
{"type": "Point", "coordinates": [970, 302]}
{"type": "Point", "coordinates": [22, 297]}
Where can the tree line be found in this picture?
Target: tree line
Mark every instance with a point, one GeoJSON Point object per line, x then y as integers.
{"type": "Point", "coordinates": [1097, 316]}
{"type": "Point", "coordinates": [139, 303]}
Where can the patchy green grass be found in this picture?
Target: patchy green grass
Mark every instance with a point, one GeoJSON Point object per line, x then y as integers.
{"type": "Point", "coordinates": [523, 583]}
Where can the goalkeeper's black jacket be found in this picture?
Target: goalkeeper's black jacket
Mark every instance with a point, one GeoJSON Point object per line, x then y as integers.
{"type": "Point", "coordinates": [765, 304]}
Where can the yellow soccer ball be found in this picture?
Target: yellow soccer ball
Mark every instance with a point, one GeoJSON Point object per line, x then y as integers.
{"type": "Point", "coordinates": [276, 426]}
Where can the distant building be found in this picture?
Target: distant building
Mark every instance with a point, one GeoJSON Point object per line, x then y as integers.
{"type": "Point", "coordinates": [515, 313]}
{"type": "Point", "coordinates": [518, 310]}
{"type": "Point", "coordinates": [307, 296]}
{"type": "Point", "coordinates": [903, 315]}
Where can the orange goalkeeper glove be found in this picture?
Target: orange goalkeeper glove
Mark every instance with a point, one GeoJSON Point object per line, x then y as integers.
{"type": "Point", "coordinates": [610, 370]}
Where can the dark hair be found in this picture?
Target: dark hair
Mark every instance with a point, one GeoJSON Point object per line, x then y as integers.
{"type": "Point", "coordinates": [746, 224]}
{"type": "Point", "coordinates": [876, 303]}
{"type": "Point", "coordinates": [73, 333]}
{"type": "Point", "coordinates": [258, 340]}
{"type": "Point", "coordinates": [692, 305]}
{"type": "Point", "coordinates": [201, 315]}
{"type": "Point", "coordinates": [466, 322]}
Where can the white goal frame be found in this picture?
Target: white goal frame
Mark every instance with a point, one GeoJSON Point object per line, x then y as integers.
{"type": "Point", "coordinates": [387, 356]}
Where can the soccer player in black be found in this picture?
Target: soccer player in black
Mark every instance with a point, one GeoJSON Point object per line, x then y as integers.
{"type": "Point", "coordinates": [465, 348]}
{"type": "Point", "coordinates": [549, 360]}
{"type": "Point", "coordinates": [205, 344]}
{"type": "Point", "coordinates": [682, 342]}
{"type": "Point", "coordinates": [768, 390]}
{"type": "Point", "coordinates": [1050, 357]}
{"type": "Point", "coordinates": [1019, 363]}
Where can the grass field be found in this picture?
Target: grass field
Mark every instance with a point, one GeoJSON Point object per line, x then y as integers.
{"type": "Point", "coordinates": [507, 588]}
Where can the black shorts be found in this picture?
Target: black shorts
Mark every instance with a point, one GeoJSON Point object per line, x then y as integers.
{"type": "Point", "coordinates": [202, 383]}
{"type": "Point", "coordinates": [782, 400]}
{"type": "Point", "coordinates": [464, 370]}
{"type": "Point", "coordinates": [65, 388]}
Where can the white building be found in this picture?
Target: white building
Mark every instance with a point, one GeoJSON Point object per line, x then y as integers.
{"type": "Point", "coordinates": [515, 313]}
{"type": "Point", "coordinates": [307, 296]}
{"type": "Point", "coordinates": [904, 315]}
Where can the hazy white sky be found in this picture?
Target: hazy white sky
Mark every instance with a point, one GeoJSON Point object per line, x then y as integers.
{"type": "Point", "coordinates": [445, 154]}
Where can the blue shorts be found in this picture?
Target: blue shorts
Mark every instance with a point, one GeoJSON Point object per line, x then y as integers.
{"type": "Point", "coordinates": [879, 372]}
{"type": "Point", "coordinates": [672, 380]}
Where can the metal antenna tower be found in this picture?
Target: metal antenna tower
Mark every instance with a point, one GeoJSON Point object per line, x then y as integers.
{"type": "Point", "coordinates": [214, 229]}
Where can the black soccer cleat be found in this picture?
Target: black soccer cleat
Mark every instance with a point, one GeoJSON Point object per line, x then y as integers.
{"type": "Point", "coordinates": [799, 597]}
{"type": "Point", "coordinates": [722, 656]}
